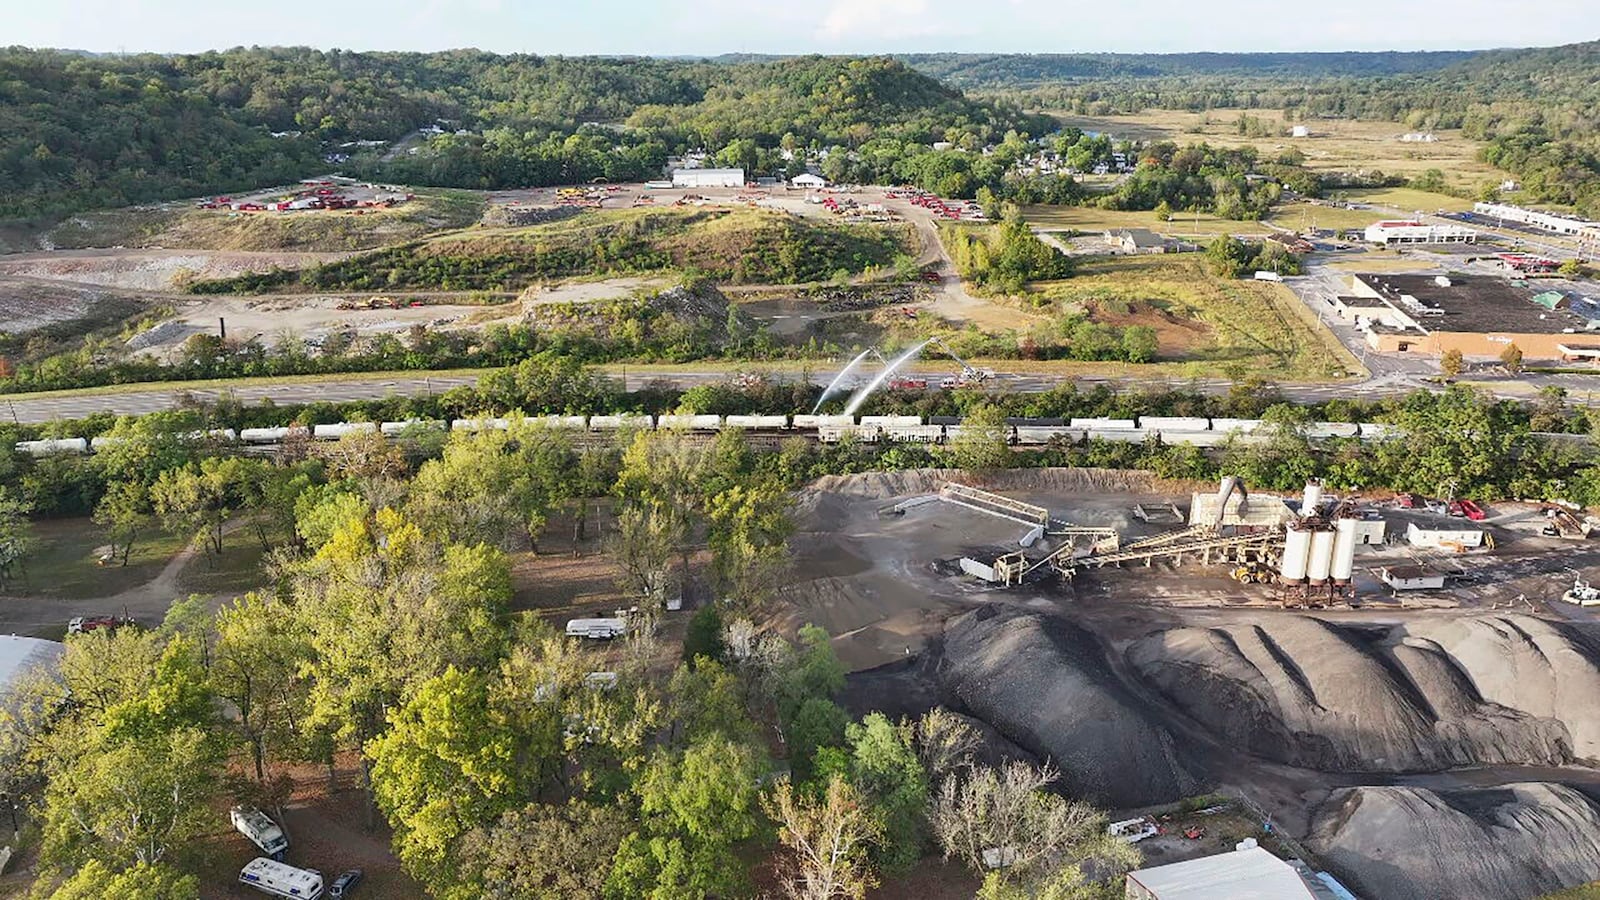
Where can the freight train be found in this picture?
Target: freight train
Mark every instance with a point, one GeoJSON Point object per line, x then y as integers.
{"type": "Point", "coordinates": [1199, 431]}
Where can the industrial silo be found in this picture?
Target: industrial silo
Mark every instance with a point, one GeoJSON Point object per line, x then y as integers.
{"type": "Point", "coordinates": [1344, 550]}
{"type": "Point", "coordinates": [1296, 554]}
{"type": "Point", "coordinates": [1312, 499]}
{"type": "Point", "coordinates": [1320, 564]}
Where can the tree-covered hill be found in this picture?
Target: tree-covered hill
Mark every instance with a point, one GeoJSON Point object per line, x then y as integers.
{"type": "Point", "coordinates": [80, 131]}
{"type": "Point", "coordinates": [1010, 70]}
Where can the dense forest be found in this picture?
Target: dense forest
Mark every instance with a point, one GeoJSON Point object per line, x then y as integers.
{"type": "Point", "coordinates": [986, 70]}
{"type": "Point", "coordinates": [82, 131]}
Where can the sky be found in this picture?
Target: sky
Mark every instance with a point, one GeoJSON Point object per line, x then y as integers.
{"type": "Point", "coordinates": [709, 27]}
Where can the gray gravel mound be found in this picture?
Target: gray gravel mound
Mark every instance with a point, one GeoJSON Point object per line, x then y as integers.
{"type": "Point", "coordinates": [1417, 697]}
{"type": "Point", "coordinates": [1043, 684]}
{"type": "Point", "coordinates": [1506, 843]}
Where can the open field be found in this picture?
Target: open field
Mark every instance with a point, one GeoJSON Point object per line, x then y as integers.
{"type": "Point", "coordinates": [66, 561]}
{"type": "Point", "coordinates": [1093, 220]}
{"type": "Point", "coordinates": [1335, 145]}
{"type": "Point", "coordinates": [1211, 324]}
{"type": "Point", "coordinates": [179, 224]}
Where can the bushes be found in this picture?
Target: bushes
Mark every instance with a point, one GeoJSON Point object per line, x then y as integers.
{"type": "Point", "coordinates": [1003, 259]}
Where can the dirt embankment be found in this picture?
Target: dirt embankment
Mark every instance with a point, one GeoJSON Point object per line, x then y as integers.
{"type": "Point", "coordinates": [1420, 697]}
{"type": "Point", "coordinates": [1043, 683]}
{"type": "Point", "coordinates": [1512, 842]}
{"type": "Point", "coordinates": [151, 270]}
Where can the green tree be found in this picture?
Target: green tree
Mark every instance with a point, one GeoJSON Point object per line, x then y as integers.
{"type": "Point", "coordinates": [884, 767]}
{"type": "Point", "coordinates": [704, 637]}
{"type": "Point", "coordinates": [544, 852]}
{"type": "Point", "coordinates": [694, 808]}
{"type": "Point", "coordinates": [260, 651]}
{"type": "Point", "coordinates": [16, 533]}
{"type": "Point", "coordinates": [124, 511]}
{"type": "Point", "coordinates": [196, 502]}
{"type": "Point", "coordinates": [96, 881]}
{"type": "Point", "coordinates": [981, 444]}
{"type": "Point", "coordinates": [446, 764]}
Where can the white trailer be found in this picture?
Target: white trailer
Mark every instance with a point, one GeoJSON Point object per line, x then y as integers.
{"type": "Point", "coordinates": [281, 879]}
{"type": "Point", "coordinates": [260, 829]}
{"type": "Point", "coordinates": [338, 430]}
{"type": "Point", "coordinates": [597, 629]}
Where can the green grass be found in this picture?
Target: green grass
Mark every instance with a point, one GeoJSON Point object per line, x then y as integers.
{"type": "Point", "coordinates": [742, 246]}
{"type": "Point", "coordinates": [1250, 326]}
{"type": "Point", "coordinates": [1407, 200]}
{"type": "Point", "coordinates": [1303, 216]}
{"type": "Point", "coordinates": [1590, 891]}
{"type": "Point", "coordinates": [1094, 221]}
{"type": "Point", "coordinates": [65, 563]}
{"type": "Point", "coordinates": [236, 570]}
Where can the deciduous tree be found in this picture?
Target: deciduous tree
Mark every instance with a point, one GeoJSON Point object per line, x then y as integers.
{"type": "Point", "coordinates": [825, 839]}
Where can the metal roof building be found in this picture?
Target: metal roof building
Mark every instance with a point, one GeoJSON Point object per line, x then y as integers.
{"type": "Point", "coordinates": [1248, 874]}
{"type": "Point", "coordinates": [20, 655]}
{"type": "Point", "coordinates": [708, 178]}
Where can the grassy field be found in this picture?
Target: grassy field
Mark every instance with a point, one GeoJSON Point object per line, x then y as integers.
{"type": "Point", "coordinates": [65, 562]}
{"type": "Point", "coordinates": [236, 570]}
{"type": "Point", "coordinates": [1206, 325]}
{"type": "Point", "coordinates": [1091, 220]}
{"type": "Point", "coordinates": [1590, 891]}
{"type": "Point", "coordinates": [1334, 145]}
{"type": "Point", "coordinates": [178, 224]}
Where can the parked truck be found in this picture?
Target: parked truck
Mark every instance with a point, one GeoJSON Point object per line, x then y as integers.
{"type": "Point", "coordinates": [260, 829]}
{"type": "Point", "coordinates": [281, 879]}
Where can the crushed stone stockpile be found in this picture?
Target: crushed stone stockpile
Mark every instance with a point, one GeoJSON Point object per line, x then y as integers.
{"type": "Point", "coordinates": [1512, 842]}
{"type": "Point", "coordinates": [1423, 696]}
{"type": "Point", "coordinates": [1043, 684]}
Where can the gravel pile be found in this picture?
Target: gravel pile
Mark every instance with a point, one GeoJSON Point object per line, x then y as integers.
{"type": "Point", "coordinates": [1410, 698]}
{"type": "Point", "coordinates": [1512, 842]}
{"type": "Point", "coordinates": [1043, 684]}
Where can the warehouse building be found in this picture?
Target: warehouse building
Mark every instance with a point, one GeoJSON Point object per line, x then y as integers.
{"type": "Point", "coordinates": [1478, 315]}
{"type": "Point", "coordinates": [707, 178]}
{"type": "Point", "coordinates": [1391, 233]}
{"type": "Point", "coordinates": [1251, 873]}
{"type": "Point", "coordinates": [1552, 222]}
{"type": "Point", "coordinates": [809, 181]}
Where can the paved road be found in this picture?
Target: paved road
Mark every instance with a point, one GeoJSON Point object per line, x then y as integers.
{"type": "Point", "coordinates": [137, 401]}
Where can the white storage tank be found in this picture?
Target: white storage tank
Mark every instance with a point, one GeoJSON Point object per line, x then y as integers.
{"type": "Point", "coordinates": [1101, 423]}
{"type": "Point", "coordinates": [1320, 565]}
{"type": "Point", "coordinates": [1312, 498]}
{"type": "Point", "coordinates": [1175, 423]}
{"type": "Point", "coordinates": [263, 435]}
{"type": "Point", "coordinates": [53, 446]}
{"type": "Point", "coordinates": [1296, 555]}
{"type": "Point", "coordinates": [1241, 425]}
{"type": "Point", "coordinates": [339, 429]}
{"type": "Point", "coordinates": [762, 423]}
{"type": "Point", "coordinates": [891, 421]}
{"type": "Point", "coordinates": [1344, 550]}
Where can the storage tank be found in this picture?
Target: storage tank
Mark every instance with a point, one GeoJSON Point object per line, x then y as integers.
{"type": "Point", "coordinates": [1321, 563]}
{"type": "Point", "coordinates": [1312, 498]}
{"type": "Point", "coordinates": [1296, 554]}
{"type": "Point", "coordinates": [1344, 550]}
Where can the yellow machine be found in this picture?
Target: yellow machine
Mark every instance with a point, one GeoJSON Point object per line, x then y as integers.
{"type": "Point", "coordinates": [1253, 573]}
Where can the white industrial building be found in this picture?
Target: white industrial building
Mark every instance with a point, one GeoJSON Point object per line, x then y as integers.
{"type": "Point", "coordinates": [1248, 874]}
{"type": "Point", "coordinates": [1559, 224]}
{"type": "Point", "coordinates": [1411, 578]}
{"type": "Point", "coordinates": [808, 180]}
{"type": "Point", "coordinates": [1409, 232]}
{"type": "Point", "coordinates": [707, 178]}
{"type": "Point", "coordinates": [1448, 538]}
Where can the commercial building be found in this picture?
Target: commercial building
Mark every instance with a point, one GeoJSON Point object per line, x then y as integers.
{"type": "Point", "coordinates": [1391, 233]}
{"type": "Point", "coordinates": [1444, 538]}
{"type": "Point", "coordinates": [1478, 315]}
{"type": "Point", "coordinates": [1533, 218]}
{"type": "Point", "coordinates": [707, 178]}
{"type": "Point", "coordinates": [1136, 240]}
{"type": "Point", "coordinates": [1411, 578]}
{"type": "Point", "coordinates": [1248, 874]}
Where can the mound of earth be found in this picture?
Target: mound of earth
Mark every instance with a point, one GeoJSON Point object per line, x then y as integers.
{"type": "Point", "coordinates": [1511, 842]}
{"type": "Point", "coordinates": [1043, 684]}
{"type": "Point", "coordinates": [1424, 696]}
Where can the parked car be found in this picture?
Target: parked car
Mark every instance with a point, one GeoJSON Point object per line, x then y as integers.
{"type": "Point", "coordinates": [345, 883]}
{"type": "Point", "coordinates": [1455, 510]}
{"type": "Point", "coordinates": [1405, 501]}
{"type": "Point", "coordinates": [1473, 511]}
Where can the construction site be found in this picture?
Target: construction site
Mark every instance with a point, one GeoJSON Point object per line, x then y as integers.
{"type": "Point", "coordinates": [1397, 689]}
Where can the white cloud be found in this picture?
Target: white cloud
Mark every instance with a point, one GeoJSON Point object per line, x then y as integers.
{"type": "Point", "coordinates": [870, 21]}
